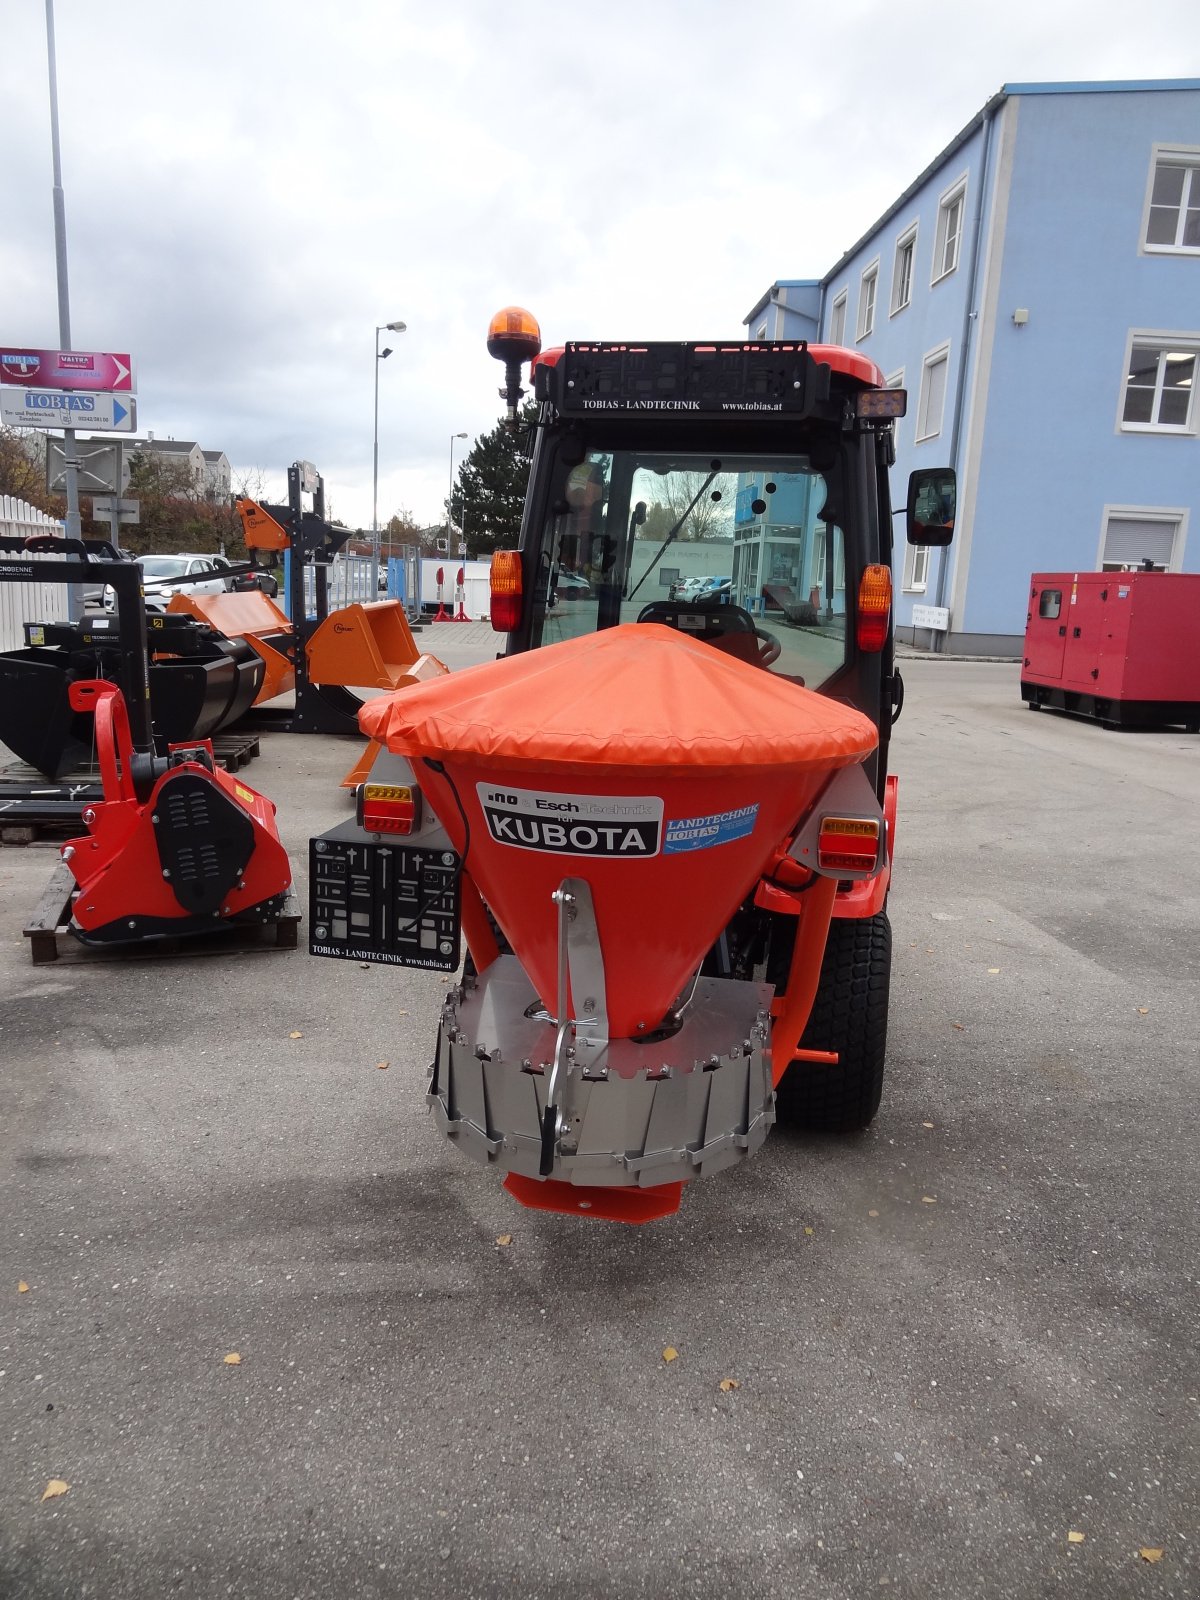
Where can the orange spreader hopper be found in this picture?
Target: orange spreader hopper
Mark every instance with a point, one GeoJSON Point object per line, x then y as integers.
{"type": "Point", "coordinates": [660, 771]}
{"type": "Point", "coordinates": [615, 798]}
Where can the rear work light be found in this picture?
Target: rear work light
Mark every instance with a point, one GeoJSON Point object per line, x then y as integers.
{"type": "Point", "coordinates": [507, 588]}
{"type": "Point", "coordinates": [848, 844]}
{"type": "Point", "coordinates": [874, 607]}
{"type": "Point", "coordinates": [881, 403]}
{"type": "Point", "coordinates": [388, 807]}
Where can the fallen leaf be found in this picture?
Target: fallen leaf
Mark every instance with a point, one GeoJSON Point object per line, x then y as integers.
{"type": "Point", "coordinates": [1074, 1538]}
{"type": "Point", "coordinates": [22, 1287]}
{"type": "Point", "coordinates": [927, 1124]}
{"type": "Point", "coordinates": [872, 1213]}
{"type": "Point", "coordinates": [504, 1238]}
{"type": "Point", "coordinates": [233, 1359]}
{"type": "Point", "coordinates": [928, 949]}
{"type": "Point", "coordinates": [961, 1026]}
{"type": "Point", "coordinates": [993, 969]}
{"type": "Point", "coordinates": [402, 1013]}
{"type": "Point", "coordinates": [295, 1036]}
{"type": "Point", "coordinates": [808, 1231]}
{"type": "Point", "coordinates": [382, 1066]}
{"type": "Point", "coordinates": [727, 1384]}
{"type": "Point", "coordinates": [1143, 1011]}
{"type": "Point", "coordinates": [54, 1488]}
{"type": "Point", "coordinates": [929, 1199]}
{"type": "Point", "coordinates": [670, 1353]}
{"type": "Point", "coordinates": [1151, 1555]}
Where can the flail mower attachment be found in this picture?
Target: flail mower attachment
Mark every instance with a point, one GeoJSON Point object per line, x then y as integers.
{"type": "Point", "coordinates": [607, 1060]}
{"type": "Point", "coordinates": [176, 846]}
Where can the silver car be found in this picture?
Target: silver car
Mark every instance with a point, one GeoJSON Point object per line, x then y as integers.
{"type": "Point", "coordinates": [164, 576]}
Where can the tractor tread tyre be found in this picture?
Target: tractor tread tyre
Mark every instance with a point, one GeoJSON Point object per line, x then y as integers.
{"type": "Point", "coordinates": [849, 1015]}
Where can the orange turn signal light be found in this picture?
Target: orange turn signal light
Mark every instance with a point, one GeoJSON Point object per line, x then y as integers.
{"type": "Point", "coordinates": [848, 844]}
{"type": "Point", "coordinates": [507, 590]}
{"type": "Point", "coordinates": [874, 607]}
{"type": "Point", "coordinates": [388, 807]}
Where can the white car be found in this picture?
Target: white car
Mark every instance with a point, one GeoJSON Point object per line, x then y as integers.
{"type": "Point", "coordinates": [164, 576]}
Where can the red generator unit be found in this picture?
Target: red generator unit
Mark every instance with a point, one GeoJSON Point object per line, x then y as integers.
{"type": "Point", "coordinates": [1122, 647]}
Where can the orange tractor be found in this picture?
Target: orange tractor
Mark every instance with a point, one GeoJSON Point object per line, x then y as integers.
{"type": "Point", "coordinates": [663, 820]}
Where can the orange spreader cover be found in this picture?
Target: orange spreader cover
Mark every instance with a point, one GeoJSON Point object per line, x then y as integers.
{"type": "Point", "coordinates": [654, 766]}
{"type": "Point", "coordinates": [640, 696]}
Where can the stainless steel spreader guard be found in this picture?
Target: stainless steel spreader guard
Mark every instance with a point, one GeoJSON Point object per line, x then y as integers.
{"type": "Point", "coordinates": [633, 1112]}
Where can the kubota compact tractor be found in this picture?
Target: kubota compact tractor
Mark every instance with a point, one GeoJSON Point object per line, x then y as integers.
{"type": "Point", "coordinates": [663, 818]}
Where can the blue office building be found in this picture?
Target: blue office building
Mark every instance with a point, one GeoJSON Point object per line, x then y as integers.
{"type": "Point", "coordinates": [1037, 291]}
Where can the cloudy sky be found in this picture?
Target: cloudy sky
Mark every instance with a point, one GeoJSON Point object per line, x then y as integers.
{"type": "Point", "coordinates": [251, 187]}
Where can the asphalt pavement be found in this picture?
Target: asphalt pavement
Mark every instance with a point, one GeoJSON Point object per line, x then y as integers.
{"type": "Point", "coordinates": [960, 1348]}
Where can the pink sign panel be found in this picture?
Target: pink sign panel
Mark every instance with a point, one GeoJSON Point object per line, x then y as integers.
{"type": "Point", "coordinates": [67, 369]}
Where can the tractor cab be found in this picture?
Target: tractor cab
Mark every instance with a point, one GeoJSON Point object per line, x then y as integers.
{"type": "Point", "coordinates": [737, 493]}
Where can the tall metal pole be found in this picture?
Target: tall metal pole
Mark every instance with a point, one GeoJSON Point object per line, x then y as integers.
{"type": "Point", "coordinates": [450, 497]}
{"type": "Point", "coordinates": [391, 327]}
{"type": "Point", "coordinates": [72, 529]}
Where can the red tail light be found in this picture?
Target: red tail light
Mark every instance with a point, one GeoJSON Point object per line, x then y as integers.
{"type": "Point", "coordinates": [507, 590]}
{"type": "Point", "coordinates": [388, 807]}
{"type": "Point", "coordinates": [848, 843]}
{"type": "Point", "coordinates": [874, 607]}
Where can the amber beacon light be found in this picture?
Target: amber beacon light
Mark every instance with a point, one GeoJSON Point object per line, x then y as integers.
{"type": "Point", "coordinates": [513, 337]}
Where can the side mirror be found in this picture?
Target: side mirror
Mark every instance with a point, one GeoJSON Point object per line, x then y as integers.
{"type": "Point", "coordinates": [932, 497]}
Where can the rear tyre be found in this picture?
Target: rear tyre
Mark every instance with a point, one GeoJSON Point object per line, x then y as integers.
{"type": "Point", "coordinates": [849, 1015]}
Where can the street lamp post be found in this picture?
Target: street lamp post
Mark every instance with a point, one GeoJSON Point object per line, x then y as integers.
{"type": "Point", "coordinates": [450, 500]}
{"type": "Point", "coordinates": [380, 355]}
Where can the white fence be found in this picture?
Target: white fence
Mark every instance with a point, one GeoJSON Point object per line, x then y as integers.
{"type": "Point", "coordinates": [349, 579]}
{"type": "Point", "coordinates": [27, 602]}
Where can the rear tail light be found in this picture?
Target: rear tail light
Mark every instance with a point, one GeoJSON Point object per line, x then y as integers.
{"type": "Point", "coordinates": [874, 607]}
{"type": "Point", "coordinates": [848, 844]}
{"type": "Point", "coordinates": [388, 807]}
{"type": "Point", "coordinates": [507, 590]}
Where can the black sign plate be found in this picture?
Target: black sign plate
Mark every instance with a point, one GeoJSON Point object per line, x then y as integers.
{"type": "Point", "coordinates": [387, 901]}
{"type": "Point", "coordinates": [747, 381]}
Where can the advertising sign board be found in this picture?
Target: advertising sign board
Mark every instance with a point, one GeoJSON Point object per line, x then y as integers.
{"type": "Point", "coordinates": [66, 369]}
{"type": "Point", "coordinates": [56, 408]}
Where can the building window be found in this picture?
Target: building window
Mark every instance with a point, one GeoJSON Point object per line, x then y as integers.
{"type": "Point", "coordinates": [902, 269]}
{"type": "Point", "coordinates": [1159, 384]}
{"type": "Point", "coordinates": [1173, 205]}
{"type": "Point", "coordinates": [866, 300]}
{"type": "Point", "coordinates": [1136, 535]}
{"type": "Point", "coordinates": [916, 568]}
{"type": "Point", "coordinates": [932, 403]}
{"type": "Point", "coordinates": [949, 230]}
{"type": "Point", "coordinates": [762, 332]}
{"type": "Point", "coordinates": [837, 319]}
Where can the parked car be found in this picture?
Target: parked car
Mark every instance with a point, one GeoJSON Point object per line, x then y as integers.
{"type": "Point", "coordinates": [570, 586]}
{"type": "Point", "coordinates": [266, 581]}
{"type": "Point", "coordinates": [700, 588]}
{"type": "Point", "coordinates": [164, 576]}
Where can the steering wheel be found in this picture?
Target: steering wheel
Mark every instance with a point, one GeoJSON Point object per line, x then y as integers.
{"type": "Point", "coordinates": [721, 622]}
{"type": "Point", "coordinates": [769, 646]}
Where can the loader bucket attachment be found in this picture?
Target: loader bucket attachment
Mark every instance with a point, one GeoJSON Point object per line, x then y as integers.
{"type": "Point", "coordinates": [192, 699]}
{"type": "Point", "coordinates": [260, 529]}
{"type": "Point", "coordinates": [364, 646]}
{"type": "Point", "coordinates": [642, 763]}
{"type": "Point", "coordinates": [254, 617]}
{"type": "Point", "coordinates": [37, 722]}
